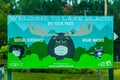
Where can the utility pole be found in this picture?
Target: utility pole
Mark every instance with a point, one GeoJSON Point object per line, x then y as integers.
{"type": "Point", "coordinates": [105, 7]}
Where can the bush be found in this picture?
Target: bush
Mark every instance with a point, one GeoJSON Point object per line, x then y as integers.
{"type": "Point", "coordinates": [3, 52]}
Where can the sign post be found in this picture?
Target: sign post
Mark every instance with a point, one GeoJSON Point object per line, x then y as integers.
{"type": "Point", "coordinates": [111, 70]}
{"type": "Point", "coordinates": [99, 74]}
{"type": "Point", "coordinates": [111, 74]}
{"type": "Point", "coordinates": [9, 71]}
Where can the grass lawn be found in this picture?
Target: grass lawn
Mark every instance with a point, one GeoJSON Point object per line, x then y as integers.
{"type": "Point", "coordinates": [53, 76]}
{"type": "Point", "coordinates": [49, 76]}
{"type": "Point", "coordinates": [117, 74]}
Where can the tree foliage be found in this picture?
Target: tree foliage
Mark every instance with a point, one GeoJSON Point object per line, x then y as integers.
{"type": "Point", "coordinates": [3, 51]}
{"type": "Point", "coordinates": [4, 11]}
{"type": "Point", "coordinates": [116, 13]}
{"type": "Point", "coordinates": [39, 7]}
{"type": "Point", "coordinates": [68, 10]}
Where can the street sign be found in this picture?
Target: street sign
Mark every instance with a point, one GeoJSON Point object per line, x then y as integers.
{"type": "Point", "coordinates": [60, 41]}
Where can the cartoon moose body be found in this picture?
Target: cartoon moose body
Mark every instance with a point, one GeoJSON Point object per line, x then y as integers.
{"type": "Point", "coordinates": [60, 45]}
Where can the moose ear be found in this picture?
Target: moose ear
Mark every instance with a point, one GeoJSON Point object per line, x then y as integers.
{"type": "Point", "coordinates": [52, 32]}
{"type": "Point", "coordinates": [67, 38]}
{"type": "Point", "coordinates": [55, 36]}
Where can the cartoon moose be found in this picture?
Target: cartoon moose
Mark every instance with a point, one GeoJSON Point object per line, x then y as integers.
{"type": "Point", "coordinates": [60, 45]}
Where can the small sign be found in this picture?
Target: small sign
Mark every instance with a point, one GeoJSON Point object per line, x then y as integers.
{"type": "Point", "coordinates": [60, 41]}
{"type": "Point", "coordinates": [115, 36]}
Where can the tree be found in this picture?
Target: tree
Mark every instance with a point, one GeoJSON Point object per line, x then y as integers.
{"type": "Point", "coordinates": [116, 13]}
{"type": "Point", "coordinates": [53, 7]}
{"type": "Point", "coordinates": [67, 10]}
{"type": "Point", "coordinates": [40, 7]}
{"type": "Point", "coordinates": [105, 9]}
{"type": "Point", "coordinates": [3, 51]}
{"type": "Point", "coordinates": [56, 7]}
{"type": "Point", "coordinates": [29, 7]}
{"type": "Point", "coordinates": [4, 11]}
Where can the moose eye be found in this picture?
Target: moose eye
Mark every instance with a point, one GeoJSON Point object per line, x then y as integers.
{"type": "Point", "coordinates": [63, 41]}
{"type": "Point", "coordinates": [58, 41]}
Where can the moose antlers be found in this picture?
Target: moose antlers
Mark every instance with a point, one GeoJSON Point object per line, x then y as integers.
{"type": "Point", "coordinates": [41, 32]}
{"type": "Point", "coordinates": [83, 31]}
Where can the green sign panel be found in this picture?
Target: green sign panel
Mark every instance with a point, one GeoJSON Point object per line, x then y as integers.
{"type": "Point", "coordinates": [60, 41]}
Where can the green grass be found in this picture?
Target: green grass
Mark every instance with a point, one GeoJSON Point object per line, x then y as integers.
{"type": "Point", "coordinates": [117, 70]}
{"type": "Point", "coordinates": [117, 65]}
{"type": "Point", "coordinates": [51, 76]}
{"type": "Point", "coordinates": [117, 74]}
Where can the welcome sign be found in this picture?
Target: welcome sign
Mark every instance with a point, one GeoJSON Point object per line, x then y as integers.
{"type": "Point", "coordinates": [60, 41]}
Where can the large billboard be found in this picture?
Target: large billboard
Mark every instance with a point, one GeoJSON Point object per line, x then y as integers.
{"type": "Point", "coordinates": [60, 41]}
